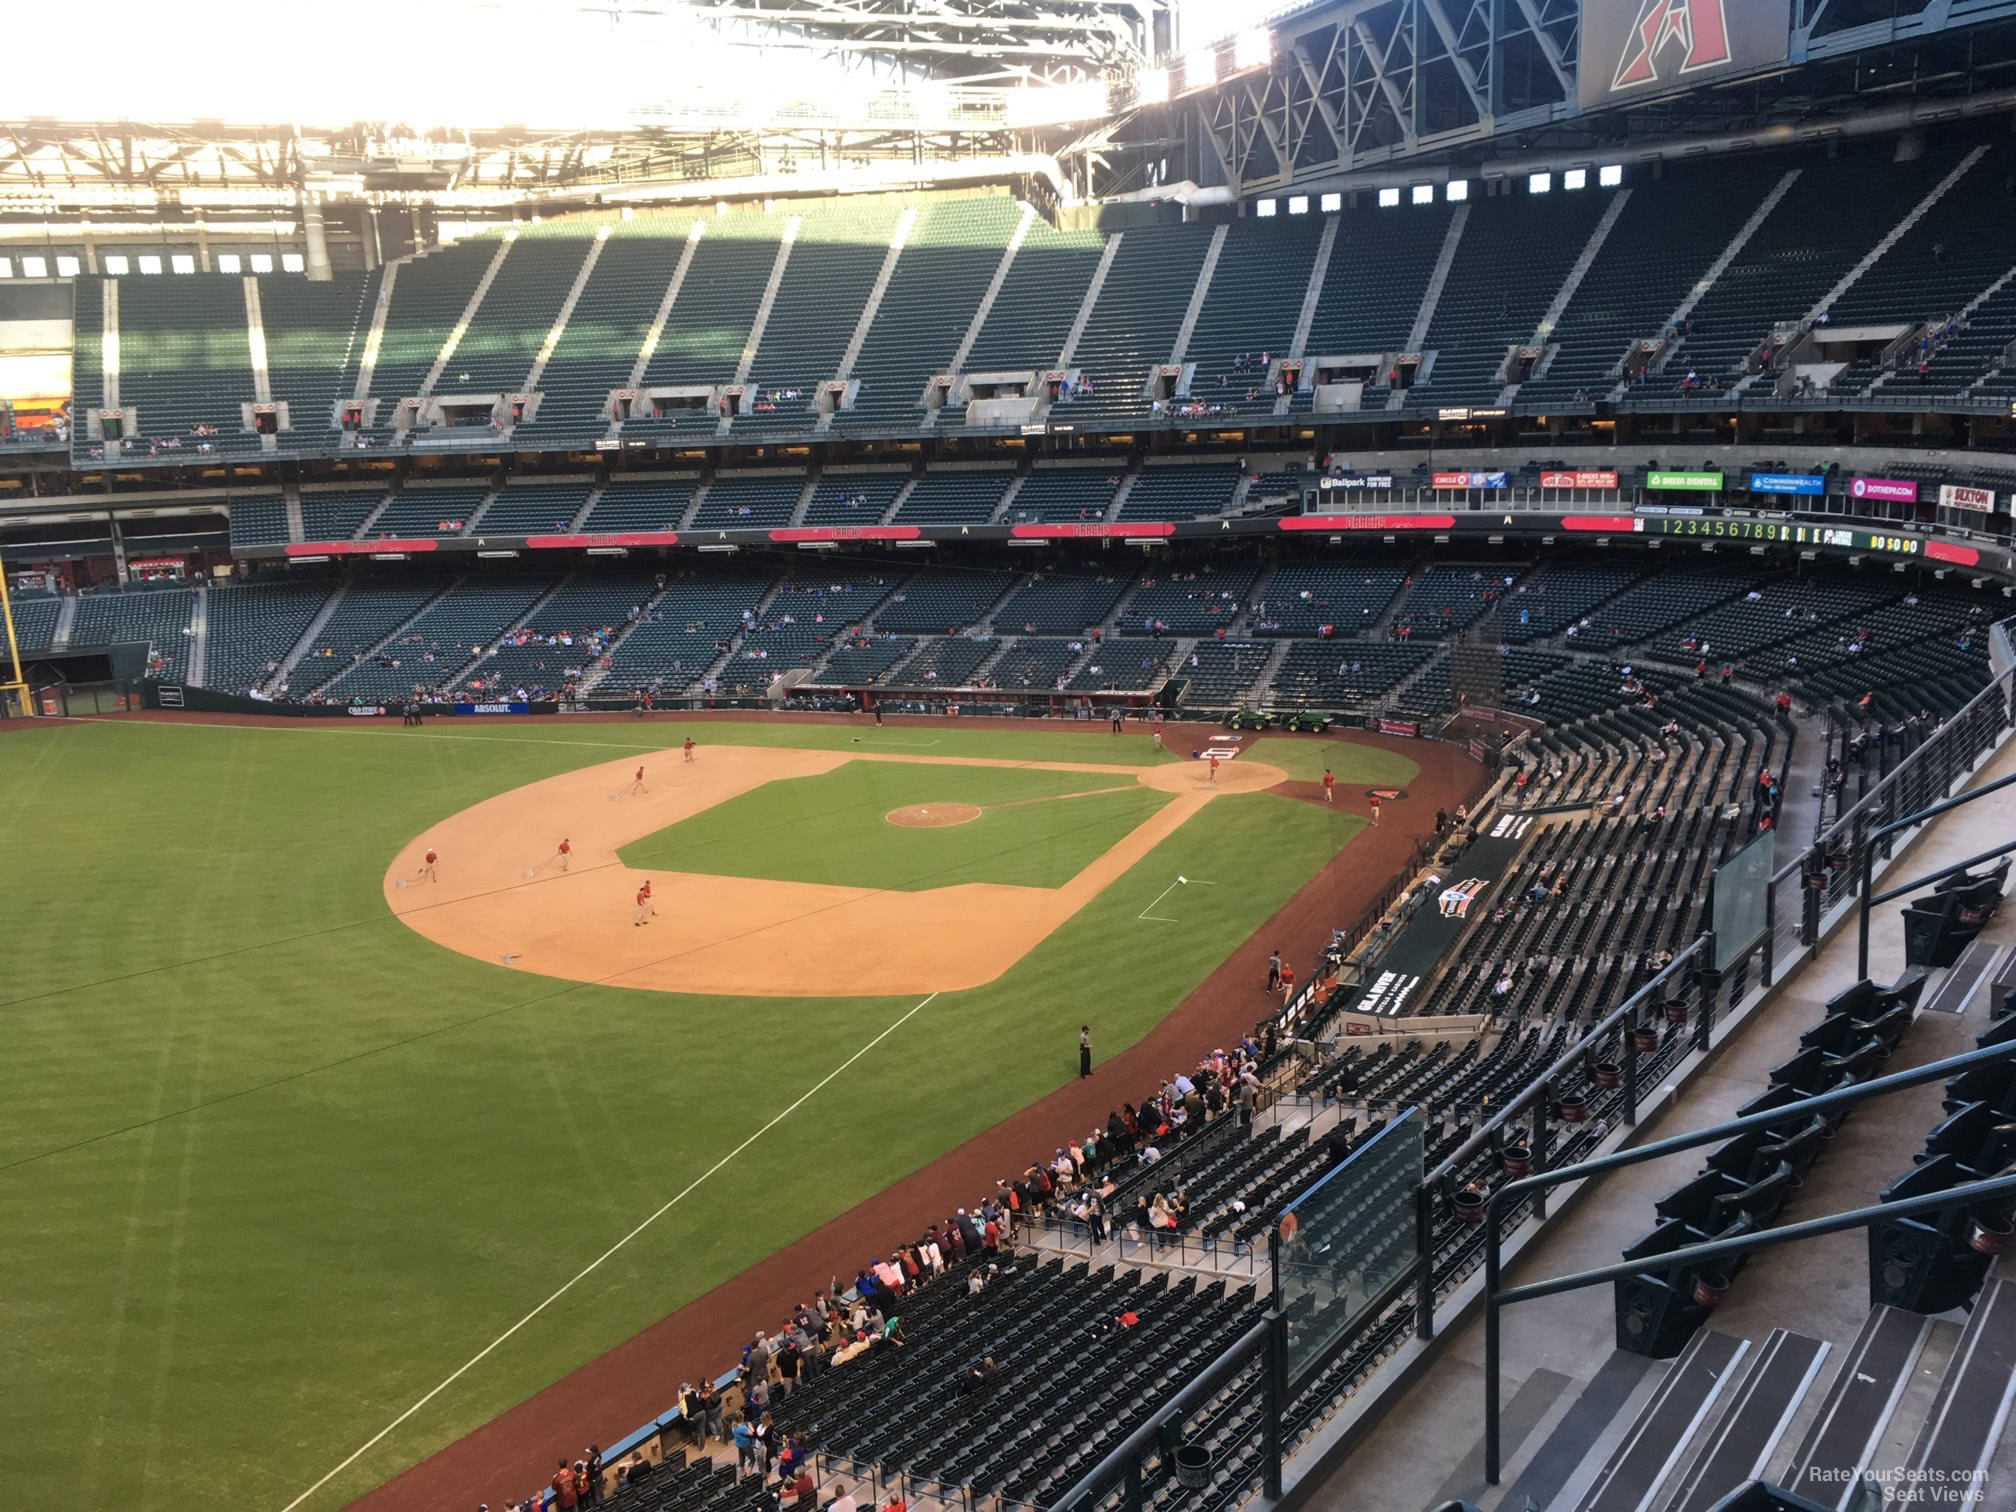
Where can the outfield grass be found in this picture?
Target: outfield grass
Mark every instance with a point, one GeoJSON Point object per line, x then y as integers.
{"type": "Point", "coordinates": [834, 828]}
{"type": "Point", "coordinates": [1303, 759]}
{"type": "Point", "coordinates": [273, 1166]}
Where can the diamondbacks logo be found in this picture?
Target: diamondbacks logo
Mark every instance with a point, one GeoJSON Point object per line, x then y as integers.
{"type": "Point", "coordinates": [1698, 29]}
{"type": "Point", "coordinates": [1455, 901]}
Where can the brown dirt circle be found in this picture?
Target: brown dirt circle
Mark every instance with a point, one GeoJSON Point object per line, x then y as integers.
{"type": "Point", "coordinates": [932, 816]}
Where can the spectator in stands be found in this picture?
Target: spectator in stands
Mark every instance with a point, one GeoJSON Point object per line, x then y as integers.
{"type": "Point", "coordinates": [843, 1501]}
{"type": "Point", "coordinates": [565, 1497]}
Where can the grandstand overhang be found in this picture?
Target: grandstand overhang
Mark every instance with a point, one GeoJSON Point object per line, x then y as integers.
{"type": "Point", "coordinates": [1358, 92]}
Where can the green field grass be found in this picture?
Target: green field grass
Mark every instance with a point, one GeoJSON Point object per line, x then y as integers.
{"type": "Point", "coordinates": [273, 1166]}
{"type": "Point", "coordinates": [833, 828]}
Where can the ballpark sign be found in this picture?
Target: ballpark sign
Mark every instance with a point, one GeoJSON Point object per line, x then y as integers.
{"type": "Point", "coordinates": [1634, 48]}
{"type": "Point", "coordinates": [1953, 496]}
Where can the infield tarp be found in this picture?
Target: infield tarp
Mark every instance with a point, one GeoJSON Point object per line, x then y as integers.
{"type": "Point", "coordinates": [1633, 49]}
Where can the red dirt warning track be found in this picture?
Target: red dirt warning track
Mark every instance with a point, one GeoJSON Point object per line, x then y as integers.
{"type": "Point", "coordinates": [635, 1382]}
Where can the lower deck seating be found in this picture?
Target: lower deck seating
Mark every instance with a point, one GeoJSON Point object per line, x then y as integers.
{"type": "Point", "coordinates": [250, 628]}
{"type": "Point", "coordinates": [1344, 674]}
{"type": "Point", "coordinates": [158, 617]}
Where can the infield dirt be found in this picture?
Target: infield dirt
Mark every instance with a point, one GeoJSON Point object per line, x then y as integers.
{"type": "Point", "coordinates": [740, 936]}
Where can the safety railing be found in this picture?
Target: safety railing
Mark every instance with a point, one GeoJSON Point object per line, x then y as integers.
{"type": "Point", "coordinates": [1910, 821]}
{"type": "Point", "coordinates": [1508, 1196]}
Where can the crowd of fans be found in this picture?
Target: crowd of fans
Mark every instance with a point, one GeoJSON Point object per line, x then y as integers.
{"type": "Point", "coordinates": [972, 1248]}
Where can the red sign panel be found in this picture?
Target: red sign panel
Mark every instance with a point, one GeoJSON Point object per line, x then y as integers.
{"type": "Point", "coordinates": [617, 538]}
{"type": "Point", "coordinates": [848, 533]}
{"type": "Point", "coordinates": [1061, 530]}
{"type": "Point", "coordinates": [1405, 727]}
{"type": "Point", "coordinates": [1369, 522]}
{"type": "Point", "coordinates": [1592, 478]}
{"type": "Point", "coordinates": [1959, 556]}
{"type": "Point", "coordinates": [358, 548]}
{"type": "Point", "coordinates": [1599, 522]}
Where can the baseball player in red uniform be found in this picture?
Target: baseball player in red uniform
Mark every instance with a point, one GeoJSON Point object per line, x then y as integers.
{"type": "Point", "coordinates": [427, 866]}
{"type": "Point", "coordinates": [688, 748]}
{"type": "Point", "coordinates": [1214, 768]}
{"type": "Point", "coordinates": [1156, 730]}
{"type": "Point", "coordinates": [637, 782]}
{"type": "Point", "coordinates": [1329, 786]}
{"type": "Point", "coordinates": [1375, 808]}
{"type": "Point", "coordinates": [644, 909]}
{"type": "Point", "coordinates": [566, 853]}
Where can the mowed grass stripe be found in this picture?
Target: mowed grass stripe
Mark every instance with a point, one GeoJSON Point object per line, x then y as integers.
{"type": "Point", "coordinates": [833, 828]}
{"type": "Point", "coordinates": [249, 1292]}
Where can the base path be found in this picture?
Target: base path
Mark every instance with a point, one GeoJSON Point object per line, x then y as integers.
{"type": "Point", "coordinates": [814, 940]}
{"type": "Point", "coordinates": [635, 1382]}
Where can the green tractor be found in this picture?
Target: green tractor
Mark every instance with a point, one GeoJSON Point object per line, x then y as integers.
{"type": "Point", "coordinates": [1248, 719]}
{"type": "Point", "coordinates": [1312, 721]}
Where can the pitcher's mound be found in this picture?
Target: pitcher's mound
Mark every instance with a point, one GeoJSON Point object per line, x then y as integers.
{"type": "Point", "coordinates": [933, 815]}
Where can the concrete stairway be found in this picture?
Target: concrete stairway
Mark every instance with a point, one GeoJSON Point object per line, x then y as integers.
{"type": "Point", "coordinates": [300, 648]}
{"type": "Point", "coordinates": [461, 326]}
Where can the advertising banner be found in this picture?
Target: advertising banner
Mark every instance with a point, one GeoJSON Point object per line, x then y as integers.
{"type": "Point", "coordinates": [1588, 478]}
{"type": "Point", "coordinates": [1470, 480]}
{"type": "Point", "coordinates": [1358, 480]}
{"type": "Point", "coordinates": [1406, 727]}
{"type": "Point", "coordinates": [1634, 48]}
{"type": "Point", "coordinates": [1952, 496]}
{"type": "Point", "coordinates": [1691, 482]}
{"type": "Point", "coordinates": [1810, 484]}
{"type": "Point", "coordinates": [1889, 490]}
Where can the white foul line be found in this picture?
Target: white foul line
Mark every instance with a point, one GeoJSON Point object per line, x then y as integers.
{"type": "Point", "coordinates": [1164, 919]}
{"type": "Point", "coordinates": [596, 1263]}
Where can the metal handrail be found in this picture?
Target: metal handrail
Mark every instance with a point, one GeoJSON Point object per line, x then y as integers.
{"type": "Point", "coordinates": [1871, 800]}
{"type": "Point", "coordinates": [1498, 1201]}
{"type": "Point", "coordinates": [1537, 1088]}
{"type": "Point", "coordinates": [1867, 861]}
{"type": "Point", "coordinates": [1123, 1460]}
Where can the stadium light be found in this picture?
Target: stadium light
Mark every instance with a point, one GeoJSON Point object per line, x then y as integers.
{"type": "Point", "coordinates": [1456, 190]}
{"type": "Point", "coordinates": [35, 267]}
{"type": "Point", "coordinates": [1298, 204]}
{"type": "Point", "coordinates": [1152, 88]}
{"type": "Point", "coordinates": [1424, 194]}
{"type": "Point", "coordinates": [1575, 178]}
{"type": "Point", "coordinates": [1388, 198]}
{"type": "Point", "coordinates": [114, 264]}
{"type": "Point", "coordinates": [1200, 68]}
{"type": "Point", "coordinates": [67, 267]}
{"type": "Point", "coordinates": [1266, 209]}
{"type": "Point", "coordinates": [1539, 183]}
{"type": "Point", "coordinates": [1610, 175]}
{"type": "Point", "coordinates": [1253, 49]}
{"type": "Point", "coordinates": [1332, 203]}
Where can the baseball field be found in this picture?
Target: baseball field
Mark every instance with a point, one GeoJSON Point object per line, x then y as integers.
{"type": "Point", "coordinates": [311, 1165]}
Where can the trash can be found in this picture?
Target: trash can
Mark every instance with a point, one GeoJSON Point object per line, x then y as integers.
{"type": "Point", "coordinates": [1193, 1467]}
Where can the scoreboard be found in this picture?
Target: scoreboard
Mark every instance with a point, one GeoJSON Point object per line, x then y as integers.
{"type": "Point", "coordinates": [1780, 532]}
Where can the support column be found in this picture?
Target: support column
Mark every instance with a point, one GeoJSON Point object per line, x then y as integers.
{"type": "Point", "coordinates": [318, 238]}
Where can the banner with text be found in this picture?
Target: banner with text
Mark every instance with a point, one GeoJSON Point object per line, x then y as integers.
{"type": "Point", "coordinates": [1952, 496]}
{"type": "Point", "coordinates": [1889, 490]}
{"type": "Point", "coordinates": [1470, 480]}
{"type": "Point", "coordinates": [1590, 478]}
{"type": "Point", "coordinates": [1810, 484]}
{"type": "Point", "coordinates": [1631, 49]}
{"type": "Point", "coordinates": [1689, 482]}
